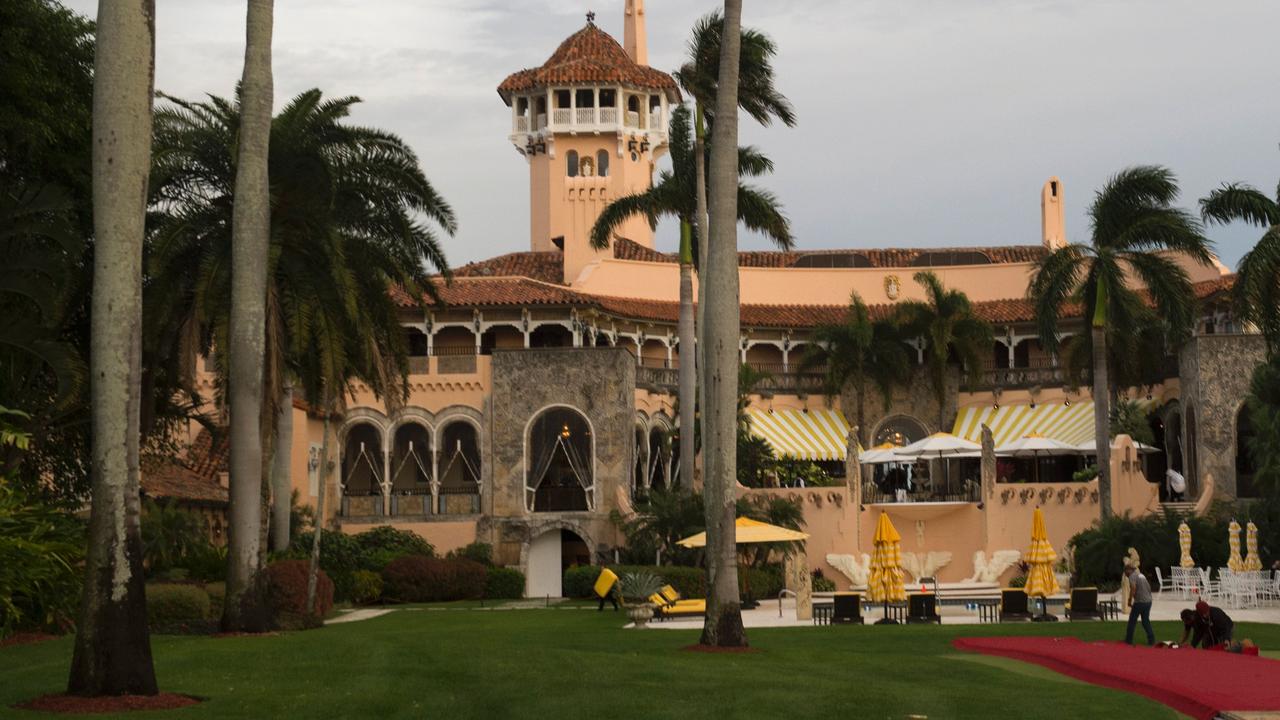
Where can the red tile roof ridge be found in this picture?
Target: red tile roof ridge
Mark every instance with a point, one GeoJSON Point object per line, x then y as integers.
{"type": "Point", "coordinates": [593, 57]}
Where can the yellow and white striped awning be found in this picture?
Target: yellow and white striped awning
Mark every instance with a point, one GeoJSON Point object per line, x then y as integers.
{"type": "Point", "coordinates": [811, 435]}
{"type": "Point", "coordinates": [1071, 424]}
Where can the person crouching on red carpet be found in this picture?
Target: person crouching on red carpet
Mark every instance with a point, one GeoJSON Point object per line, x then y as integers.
{"type": "Point", "coordinates": [1207, 626]}
{"type": "Point", "coordinates": [1140, 597]}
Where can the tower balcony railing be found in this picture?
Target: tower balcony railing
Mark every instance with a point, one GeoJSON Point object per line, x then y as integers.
{"type": "Point", "coordinates": [522, 124]}
{"type": "Point", "coordinates": [561, 116]}
{"type": "Point", "coordinates": [608, 116]}
{"type": "Point", "coordinates": [588, 120]}
{"type": "Point", "coordinates": [633, 119]}
{"type": "Point", "coordinates": [585, 116]}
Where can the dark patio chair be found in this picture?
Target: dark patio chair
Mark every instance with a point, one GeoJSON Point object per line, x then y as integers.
{"type": "Point", "coordinates": [1013, 605]}
{"type": "Point", "coordinates": [1083, 604]}
{"type": "Point", "coordinates": [847, 609]}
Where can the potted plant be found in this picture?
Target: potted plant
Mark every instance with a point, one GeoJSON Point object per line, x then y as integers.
{"type": "Point", "coordinates": [635, 588]}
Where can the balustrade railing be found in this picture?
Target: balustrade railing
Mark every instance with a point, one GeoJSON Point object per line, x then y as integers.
{"type": "Point", "coordinates": [522, 124]}
{"type": "Point", "coordinates": [586, 116]}
{"type": "Point", "coordinates": [608, 115]}
{"type": "Point", "coordinates": [561, 116]}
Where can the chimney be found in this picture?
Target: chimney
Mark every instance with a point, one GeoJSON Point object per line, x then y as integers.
{"type": "Point", "coordinates": [1053, 224]}
{"type": "Point", "coordinates": [633, 35]}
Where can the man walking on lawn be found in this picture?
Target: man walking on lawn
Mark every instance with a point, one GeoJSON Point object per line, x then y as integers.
{"type": "Point", "coordinates": [1140, 596]}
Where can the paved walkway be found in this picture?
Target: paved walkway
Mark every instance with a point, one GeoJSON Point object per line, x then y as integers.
{"type": "Point", "coordinates": [357, 615]}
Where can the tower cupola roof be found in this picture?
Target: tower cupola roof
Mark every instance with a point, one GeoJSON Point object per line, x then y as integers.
{"type": "Point", "coordinates": [589, 57]}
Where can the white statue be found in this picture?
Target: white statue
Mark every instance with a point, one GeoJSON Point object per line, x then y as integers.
{"type": "Point", "coordinates": [922, 565]}
{"type": "Point", "coordinates": [989, 572]}
{"type": "Point", "coordinates": [857, 572]}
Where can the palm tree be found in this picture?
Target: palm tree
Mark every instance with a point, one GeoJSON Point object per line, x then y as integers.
{"type": "Point", "coordinates": [673, 195]}
{"type": "Point", "coordinates": [1134, 228]}
{"type": "Point", "coordinates": [723, 623]}
{"type": "Point", "coordinates": [345, 231]}
{"type": "Point", "coordinates": [246, 340]}
{"type": "Point", "coordinates": [1257, 289]}
{"type": "Point", "coordinates": [860, 352]}
{"type": "Point", "coordinates": [950, 330]}
{"type": "Point", "coordinates": [756, 94]}
{"type": "Point", "coordinates": [112, 653]}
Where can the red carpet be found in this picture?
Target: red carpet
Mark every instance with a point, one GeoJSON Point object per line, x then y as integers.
{"type": "Point", "coordinates": [1198, 683]}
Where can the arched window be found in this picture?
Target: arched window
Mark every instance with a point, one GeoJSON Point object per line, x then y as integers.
{"type": "Point", "coordinates": [411, 459]}
{"type": "Point", "coordinates": [459, 469]}
{"type": "Point", "coordinates": [900, 430]}
{"type": "Point", "coordinates": [571, 163]}
{"type": "Point", "coordinates": [560, 473]}
{"type": "Point", "coordinates": [640, 469]}
{"type": "Point", "coordinates": [659, 456]}
{"type": "Point", "coordinates": [602, 163]}
{"type": "Point", "coordinates": [1245, 467]}
{"type": "Point", "coordinates": [362, 460]}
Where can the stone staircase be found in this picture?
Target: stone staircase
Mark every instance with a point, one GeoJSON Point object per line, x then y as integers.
{"type": "Point", "coordinates": [1178, 508]}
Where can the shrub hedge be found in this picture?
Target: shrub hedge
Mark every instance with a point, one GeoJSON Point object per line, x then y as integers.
{"type": "Point", "coordinates": [342, 555]}
{"type": "Point", "coordinates": [690, 582]}
{"type": "Point", "coordinates": [415, 578]}
{"type": "Point", "coordinates": [367, 587]}
{"type": "Point", "coordinates": [503, 584]}
{"type": "Point", "coordinates": [178, 608]}
{"type": "Point", "coordinates": [286, 588]}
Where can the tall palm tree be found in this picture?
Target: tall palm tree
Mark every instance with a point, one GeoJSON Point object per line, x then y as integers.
{"type": "Point", "coordinates": [250, 242]}
{"type": "Point", "coordinates": [673, 195]}
{"type": "Point", "coordinates": [699, 76]}
{"type": "Point", "coordinates": [860, 352]}
{"type": "Point", "coordinates": [1134, 230]}
{"type": "Point", "coordinates": [723, 623]}
{"type": "Point", "coordinates": [1257, 289]}
{"type": "Point", "coordinates": [346, 229]}
{"type": "Point", "coordinates": [112, 653]}
{"type": "Point", "coordinates": [950, 330]}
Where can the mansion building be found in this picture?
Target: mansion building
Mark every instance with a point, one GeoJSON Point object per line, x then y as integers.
{"type": "Point", "coordinates": [542, 391]}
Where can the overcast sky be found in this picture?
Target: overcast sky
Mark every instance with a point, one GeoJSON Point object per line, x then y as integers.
{"type": "Point", "coordinates": [921, 122]}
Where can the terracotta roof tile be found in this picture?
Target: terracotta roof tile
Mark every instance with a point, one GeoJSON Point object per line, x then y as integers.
{"type": "Point", "coordinates": [499, 291]}
{"type": "Point", "coordinates": [624, 249]}
{"type": "Point", "coordinates": [589, 56]}
{"type": "Point", "coordinates": [545, 266]}
{"type": "Point", "coordinates": [193, 478]}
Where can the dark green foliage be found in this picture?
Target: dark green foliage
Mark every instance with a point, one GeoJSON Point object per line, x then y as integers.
{"type": "Point", "coordinates": [1256, 293]}
{"type": "Point", "coordinates": [755, 460]}
{"type": "Point", "coordinates": [366, 587]}
{"type": "Point", "coordinates": [503, 584]}
{"type": "Point", "coordinates": [286, 588]}
{"type": "Point", "coordinates": [821, 583]}
{"type": "Point", "coordinates": [340, 557]}
{"type": "Point", "coordinates": [171, 535]}
{"type": "Point", "coordinates": [206, 564]}
{"type": "Point", "coordinates": [178, 608]}
{"type": "Point", "coordinates": [662, 519]}
{"type": "Point", "coordinates": [1129, 418]}
{"type": "Point", "coordinates": [791, 472]}
{"type": "Point", "coordinates": [414, 578]}
{"type": "Point", "coordinates": [475, 552]}
{"type": "Point", "coordinates": [384, 543]}
{"type": "Point", "coordinates": [1100, 550]}
{"type": "Point", "coordinates": [953, 331]}
{"type": "Point", "coordinates": [40, 551]}
{"type": "Point", "coordinates": [1264, 417]}
{"type": "Point", "coordinates": [690, 582]}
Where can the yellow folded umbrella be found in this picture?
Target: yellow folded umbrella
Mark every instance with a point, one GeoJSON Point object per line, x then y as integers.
{"type": "Point", "coordinates": [748, 531]}
{"type": "Point", "coordinates": [1252, 561]}
{"type": "Point", "coordinates": [1184, 543]}
{"type": "Point", "coordinates": [1040, 579]}
{"type": "Point", "coordinates": [885, 581]}
{"type": "Point", "coordinates": [1235, 562]}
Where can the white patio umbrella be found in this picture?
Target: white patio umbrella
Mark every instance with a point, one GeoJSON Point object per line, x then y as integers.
{"type": "Point", "coordinates": [882, 454]}
{"type": "Point", "coordinates": [941, 446]}
{"type": "Point", "coordinates": [1036, 446]}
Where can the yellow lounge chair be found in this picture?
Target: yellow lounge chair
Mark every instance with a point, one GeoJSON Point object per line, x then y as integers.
{"type": "Point", "coordinates": [674, 606]}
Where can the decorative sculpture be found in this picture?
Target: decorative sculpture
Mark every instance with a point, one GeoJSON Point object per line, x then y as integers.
{"type": "Point", "coordinates": [850, 567]}
{"type": "Point", "coordinates": [922, 565]}
{"type": "Point", "coordinates": [989, 571]}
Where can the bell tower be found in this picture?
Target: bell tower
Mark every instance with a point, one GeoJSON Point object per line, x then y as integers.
{"type": "Point", "coordinates": [591, 122]}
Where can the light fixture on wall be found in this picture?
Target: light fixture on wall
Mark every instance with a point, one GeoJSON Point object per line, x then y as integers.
{"type": "Point", "coordinates": [1066, 402]}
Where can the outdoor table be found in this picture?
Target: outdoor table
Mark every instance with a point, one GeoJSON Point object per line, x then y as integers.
{"type": "Point", "coordinates": [1109, 609]}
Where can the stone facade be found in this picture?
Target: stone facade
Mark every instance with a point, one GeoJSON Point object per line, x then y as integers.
{"type": "Point", "coordinates": [916, 400]}
{"type": "Point", "coordinates": [1214, 373]}
{"type": "Point", "coordinates": [597, 382]}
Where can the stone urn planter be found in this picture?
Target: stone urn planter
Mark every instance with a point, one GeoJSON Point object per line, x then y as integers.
{"type": "Point", "coordinates": [641, 614]}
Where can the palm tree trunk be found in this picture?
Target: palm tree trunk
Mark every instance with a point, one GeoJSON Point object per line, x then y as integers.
{"type": "Point", "coordinates": [251, 227]}
{"type": "Point", "coordinates": [112, 654]}
{"type": "Point", "coordinates": [281, 472]}
{"type": "Point", "coordinates": [1102, 418]}
{"type": "Point", "coordinates": [688, 356]}
{"type": "Point", "coordinates": [723, 625]}
{"type": "Point", "coordinates": [322, 481]}
{"type": "Point", "coordinates": [704, 237]}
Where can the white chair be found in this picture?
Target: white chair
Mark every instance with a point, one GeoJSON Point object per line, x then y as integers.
{"type": "Point", "coordinates": [1184, 580]}
{"type": "Point", "coordinates": [1208, 587]}
{"type": "Point", "coordinates": [1164, 585]}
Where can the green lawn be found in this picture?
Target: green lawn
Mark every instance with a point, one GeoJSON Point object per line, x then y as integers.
{"type": "Point", "coordinates": [575, 663]}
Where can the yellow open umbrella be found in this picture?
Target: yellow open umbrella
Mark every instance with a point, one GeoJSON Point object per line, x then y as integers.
{"type": "Point", "coordinates": [1235, 562]}
{"type": "Point", "coordinates": [885, 582]}
{"type": "Point", "coordinates": [746, 531]}
{"type": "Point", "coordinates": [1040, 579]}
{"type": "Point", "coordinates": [1184, 543]}
{"type": "Point", "coordinates": [1252, 561]}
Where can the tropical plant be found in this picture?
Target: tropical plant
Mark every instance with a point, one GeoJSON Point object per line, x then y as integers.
{"type": "Point", "coordinates": [660, 522]}
{"type": "Point", "coordinates": [1134, 231]}
{"type": "Point", "coordinates": [1257, 288]}
{"type": "Point", "coordinates": [636, 587]}
{"type": "Point", "coordinates": [1263, 406]}
{"type": "Point", "coordinates": [950, 329]}
{"type": "Point", "coordinates": [674, 195]}
{"type": "Point", "coordinates": [792, 472]}
{"type": "Point", "coordinates": [756, 461]}
{"type": "Point", "coordinates": [777, 511]}
{"type": "Point", "coordinates": [112, 654]}
{"type": "Point", "coordinates": [860, 352]}
{"type": "Point", "coordinates": [1130, 418]}
{"type": "Point", "coordinates": [170, 535]}
{"type": "Point", "coordinates": [40, 551]}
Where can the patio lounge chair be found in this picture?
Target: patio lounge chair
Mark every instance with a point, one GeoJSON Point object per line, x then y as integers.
{"type": "Point", "coordinates": [1013, 605]}
{"type": "Point", "coordinates": [670, 604]}
{"type": "Point", "coordinates": [1083, 604]}
{"type": "Point", "coordinates": [923, 608]}
{"type": "Point", "coordinates": [846, 609]}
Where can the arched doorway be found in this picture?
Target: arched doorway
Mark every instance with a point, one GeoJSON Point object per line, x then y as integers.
{"type": "Point", "coordinates": [560, 462]}
{"type": "Point", "coordinates": [459, 473]}
{"type": "Point", "coordinates": [1245, 467]}
{"type": "Point", "coordinates": [362, 460]}
{"type": "Point", "coordinates": [550, 554]}
{"type": "Point", "coordinates": [639, 470]}
{"type": "Point", "coordinates": [659, 457]}
{"type": "Point", "coordinates": [410, 470]}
